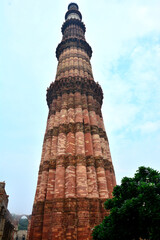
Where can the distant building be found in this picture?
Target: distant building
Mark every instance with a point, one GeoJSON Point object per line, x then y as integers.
{"type": "Point", "coordinates": [6, 225]}
{"type": "Point", "coordinates": [21, 235]}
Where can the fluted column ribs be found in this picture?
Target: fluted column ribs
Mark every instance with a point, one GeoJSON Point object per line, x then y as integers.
{"type": "Point", "coordinates": [80, 143]}
{"type": "Point", "coordinates": [73, 31]}
{"type": "Point", "coordinates": [86, 144]}
{"type": "Point", "coordinates": [74, 62]}
{"type": "Point", "coordinates": [97, 149]}
{"type": "Point", "coordinates": [91, 172]}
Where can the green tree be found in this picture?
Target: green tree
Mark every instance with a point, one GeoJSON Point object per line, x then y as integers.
{"type": "Point", "coordinates": [134, 209]}
{"type": "Point", "coordinates": [23, 224]}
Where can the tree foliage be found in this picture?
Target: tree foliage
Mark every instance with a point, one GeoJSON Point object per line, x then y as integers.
{"type": "Point", "coordinates": [23, 224]}
{"type": "Point", "coordinates": [134, 209]}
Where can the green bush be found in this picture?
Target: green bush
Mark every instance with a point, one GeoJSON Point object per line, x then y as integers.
{"type": "Point", "coordinates": [134, 209]}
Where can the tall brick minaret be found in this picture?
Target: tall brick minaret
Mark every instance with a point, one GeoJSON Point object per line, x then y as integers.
{"type": "Point", "coordinates": [76, 174]}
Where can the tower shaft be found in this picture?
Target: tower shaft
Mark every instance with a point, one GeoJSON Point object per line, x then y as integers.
{"type": "Point", "coordinates": [76, 174]}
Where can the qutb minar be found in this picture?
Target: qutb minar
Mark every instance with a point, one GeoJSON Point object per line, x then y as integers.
{"type": "Point", "coordinates": [76, 174]}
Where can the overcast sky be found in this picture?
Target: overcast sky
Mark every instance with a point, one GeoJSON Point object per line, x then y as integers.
{"type": "Point", "coordinates": [125, 38]}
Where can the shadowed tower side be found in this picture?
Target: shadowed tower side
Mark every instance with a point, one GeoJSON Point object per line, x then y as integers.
{"type": "Point", "coordinates": [76, 174]}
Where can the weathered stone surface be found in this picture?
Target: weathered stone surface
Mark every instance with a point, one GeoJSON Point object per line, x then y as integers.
{"type": "Point", "coordinates": [92, 182]}
{"type": "Point", "coordinates": [70, 182]}
{"type": "Point", "coordinates": [102, 183]}
{"type": "Point", "coordinates": [59, 182]}
{"type": "Point", "coordinates": [81, 181]}
{"type": "Point", "coordinates": [65, 218]}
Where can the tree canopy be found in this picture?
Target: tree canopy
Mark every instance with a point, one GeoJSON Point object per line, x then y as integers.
{"type": "Point", "coordinates": [134, 209]}
{"type": "Point", "coordinates": [23, 224]}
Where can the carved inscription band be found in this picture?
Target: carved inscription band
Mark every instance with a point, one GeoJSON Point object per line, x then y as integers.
{"type": "Point", "coordinates": [72, 67]}
{"type": "Point", "coordinates": [73, 21]}
{"type": "Point", "coordinates": [74, 55]}
{"type": "Point", "coordinates": [73, 42]}
{"type": "Point", "coordinates": [74, 84]}
{"type": "Point", "coordinates": [76, 127]}
{"type": "Point", "coordinates": [72, 204]}
{"type": "Point", "coordinates": [69, 160]}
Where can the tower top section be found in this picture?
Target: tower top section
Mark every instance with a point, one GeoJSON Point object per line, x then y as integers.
{"type": "Point", "coordinates": [73, 31]}
{"type": "Point", "coordinates": [73, 6]}
{"type": "Point", "coordinates": [73, 12]}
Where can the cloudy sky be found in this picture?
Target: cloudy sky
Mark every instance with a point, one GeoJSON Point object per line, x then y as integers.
{"type": "Point", "coordinates": [125, 38]}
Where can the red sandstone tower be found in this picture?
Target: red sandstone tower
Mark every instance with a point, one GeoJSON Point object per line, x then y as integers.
{"type": "Point", "coordinates": [76, 174]}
